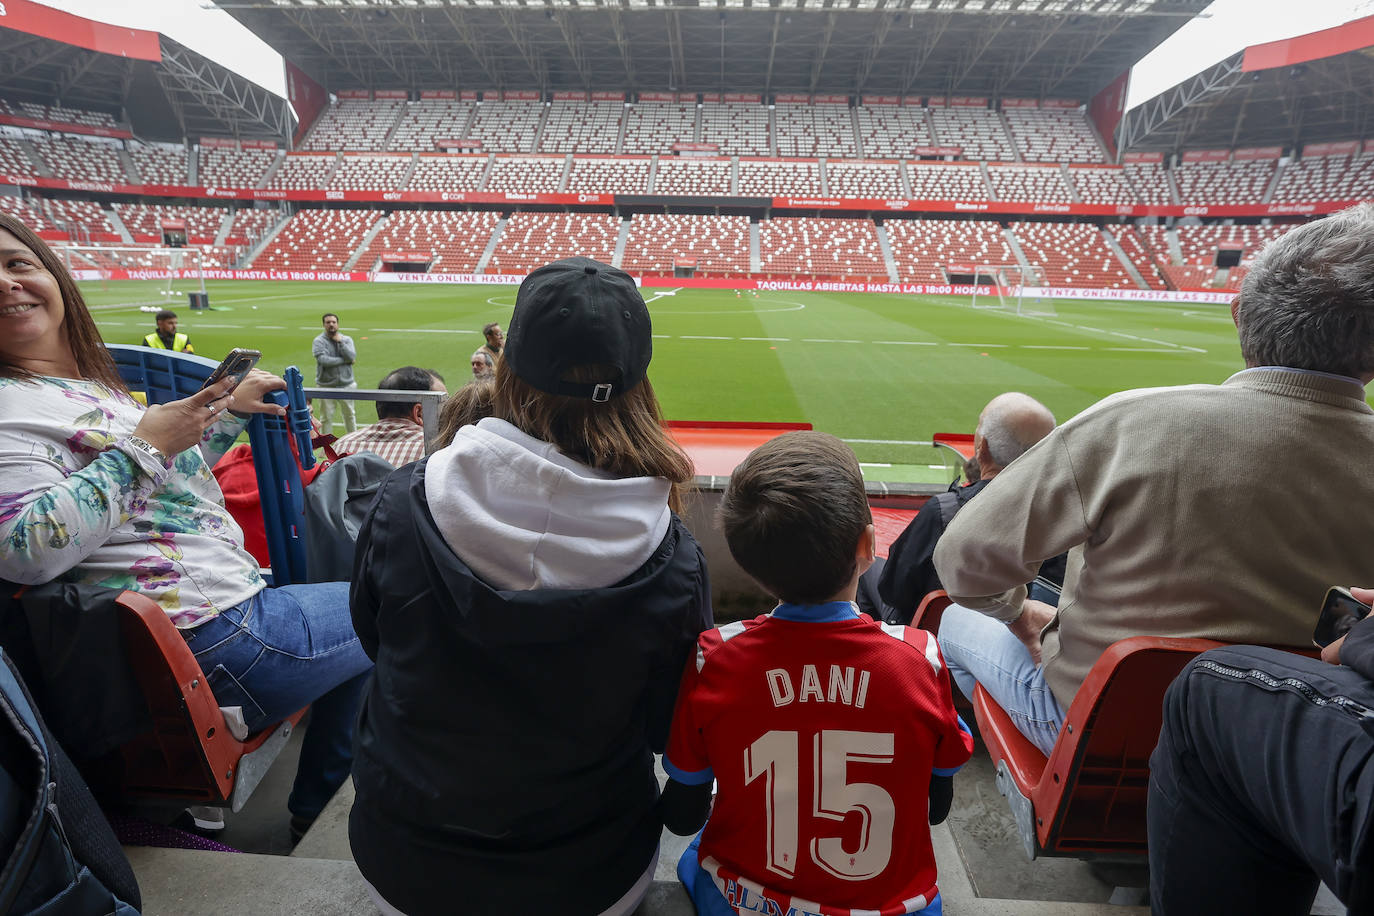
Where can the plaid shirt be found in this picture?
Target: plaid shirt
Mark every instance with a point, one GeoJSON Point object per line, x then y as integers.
{"type": "Point", "coordinates": [396, 439]}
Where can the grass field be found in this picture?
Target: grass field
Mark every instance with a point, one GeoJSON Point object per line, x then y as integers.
{"type": "Point", "coordinates": [878, 370]}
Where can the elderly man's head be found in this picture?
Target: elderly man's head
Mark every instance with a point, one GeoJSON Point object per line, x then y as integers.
{"type": "Point", "coordinates": [1007, 428]}
{"type": "Point", "coordinates": [408, 378]}
{"type": "Point", "coordinates": [483, 366]}
{"type": "Point", "coordinates": [1308, 300]}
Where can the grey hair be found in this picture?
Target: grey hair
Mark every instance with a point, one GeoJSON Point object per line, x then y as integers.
{"type": "Point", "coordinates": [485, 354]}
{"type": "Point", "coordinates": [1308, 299]}
{"type": "Point", "coordinates": [1011, 424]}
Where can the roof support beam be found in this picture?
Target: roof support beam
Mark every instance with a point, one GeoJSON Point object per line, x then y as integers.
{"type": "Point", "coordinates": [622, 44]}
{"type": "Point", "coordinates": [678, 75]}
{"type": "Point", "coordinates": [228, 96]}
{"type": "Point", "coordinates": [575, 49]}
{"type": "Point", "coordinates": [1144, 120]}
{"type": "Point", "coordinates": [874, 49]}
{"type": "Point", "coordinates": [772, 52]}
{"type": "Point", "coordinates": [915, 65]}
{"type": "Point", "coordinates": [818, 62]}
{"type": "Point", "coordinates": [533, 60]}
{"type": "Point", "coordinates": [478, 49]}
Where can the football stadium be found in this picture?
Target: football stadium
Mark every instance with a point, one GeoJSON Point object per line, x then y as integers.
{"type": "Point", "coordinates": [863, 218]}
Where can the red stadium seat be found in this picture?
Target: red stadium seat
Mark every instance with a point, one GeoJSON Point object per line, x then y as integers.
{"type": "Point", "coordinates": [930, 610]}
{"type": "Point", "coordinates": [1088, 798]}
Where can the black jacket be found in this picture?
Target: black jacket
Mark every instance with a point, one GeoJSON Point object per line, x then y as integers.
{"type": "Point", "coordinates": [503, 755]}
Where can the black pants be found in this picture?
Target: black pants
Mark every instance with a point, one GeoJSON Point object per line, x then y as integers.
{"type": "Point", "coordinates": [1262, 783]}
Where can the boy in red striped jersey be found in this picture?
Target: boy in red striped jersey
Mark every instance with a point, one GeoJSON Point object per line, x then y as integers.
{"type": "Point", "coordinates": [832, 738]}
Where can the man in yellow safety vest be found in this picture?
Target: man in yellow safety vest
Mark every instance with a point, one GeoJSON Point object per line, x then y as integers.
{"type": "Point", "coordinates": [166, 336]}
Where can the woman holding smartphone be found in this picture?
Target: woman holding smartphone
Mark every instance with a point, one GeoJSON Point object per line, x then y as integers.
{"type": "Point", "coordinates": [96, 489]}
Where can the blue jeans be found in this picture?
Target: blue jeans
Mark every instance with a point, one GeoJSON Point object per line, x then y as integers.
{"type": "Point", "coordinates": [980, 650]}
{"type": "Point", "coordinates": [283, 649]}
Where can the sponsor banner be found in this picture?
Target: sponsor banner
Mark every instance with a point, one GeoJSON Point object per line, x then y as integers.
{"type": "Point", "coordinates": [475, 279]}
{"type": "Point", "coordinates": [46, 22]}
{"type": "Point", "coordinates": [1060, 103]}
{"type": "Point", "coordinates": [685, 147]}
{"type": "Point", "coordinates": [1218, 297]}
{"type": "Point", "coordinates": [608, 97]}
{"type": "Point", "coordinates": [658, 96]}
{"type": "Point", "coordinates": [455, 143]}
{"type": "Point", "coordinates": [1020, 103]}
{"type": "Point", "coordinates": [407, 256]}
{"type": "Point", "coordinates": [950, 206]}
{"type": "Point", "coordinates": [938, 151]}
{"type": "Point", "coordinates": [468, 95]}
{"type": "Point", "coordinates": [520, 95]}
{"type": "Point", "coordinates": [880, 100]}
{"type": "Point", "coordinates": [382, 94]}
{"type": "Point", "coordinates": [564, 95]}
{"type": "Point", "coordinates": [438, 94]}
{"type": "Point", "coordinates": [915, 101]}
{"type": "Point", "coordinates": [710, 96]}
{"type": "Point", "coordinates": [830, 100]}
{"type": "Point", "coordinates": [968, 101]}
{"type": "Point", "coordinates": [1207, 155]}
{"type": "Point", "coordinates": [93, 130]}
{"type": "Point", "coordinates": [747, 97]}
{"type": "Point", "coordinates": [791, 98]}
{"type": "Point", "coordinates": [362, 94]}
{"type": "Point", "coordinates": [1346, 148]}
{"type": "Point", "coordinates": [1143, 157]}
{"type": "Point", "coordinates": [218, 142]}
{"type": "Point", "coordinates": [216, 273]}
{"type": "Point", "coordinates": [1253, 153]}
{"type": "Point", "coordinates": [174, 224]}
{"type": "Point", "coordinates": [259, 144]}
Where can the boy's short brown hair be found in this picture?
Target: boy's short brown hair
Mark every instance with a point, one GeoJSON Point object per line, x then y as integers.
{"type": "Point", "coordinates": [793, 515]}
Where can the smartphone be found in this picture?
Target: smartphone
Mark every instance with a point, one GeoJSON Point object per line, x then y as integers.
{"type": "Point", "coordinates": [236, 365]}
{"type": "Point", "coordinates": [1340, 612]}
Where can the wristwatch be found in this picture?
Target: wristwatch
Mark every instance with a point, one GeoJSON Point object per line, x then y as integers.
{"type": "Point", "coordinates": [143, 445]}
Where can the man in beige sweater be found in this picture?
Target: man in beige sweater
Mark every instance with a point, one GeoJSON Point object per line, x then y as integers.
{"type": "Point", "coordinates": [1221, 511]}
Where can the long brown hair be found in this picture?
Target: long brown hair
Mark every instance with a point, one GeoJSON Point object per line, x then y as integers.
{"type": "Point", "coordinates": [93, 359]}
{"type": "Point", "coordinates": [624, 436]}
{"type": "Point", "coordinates": [464, 407]}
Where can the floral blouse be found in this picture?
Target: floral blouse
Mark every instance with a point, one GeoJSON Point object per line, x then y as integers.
{"type": "Point", "coordinates": [78, 504]}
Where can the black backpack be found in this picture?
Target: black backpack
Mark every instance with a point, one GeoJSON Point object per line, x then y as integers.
{"type": "Point", "coordinates": [60, 855]}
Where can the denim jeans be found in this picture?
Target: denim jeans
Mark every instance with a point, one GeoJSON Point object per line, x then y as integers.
{"type": "Point", "coordinates": [980, 650]}
{"type": "Point", "coordinates": [283, 649]}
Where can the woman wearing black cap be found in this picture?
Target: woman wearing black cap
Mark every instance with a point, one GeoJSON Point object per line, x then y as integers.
{"type": "Point", "coordinates": [530, 598]}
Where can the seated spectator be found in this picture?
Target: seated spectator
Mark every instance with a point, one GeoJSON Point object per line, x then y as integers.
{"type": "Point", "coordinates": [464, 407]}
{"type": "Point", "coordinates": [102, 491]}
{"type": "Point", "coordinates": [1008, 426]}
{"type": "Point", "coordinates": [1183, 509]}
{"type": "Point", "coordinates": [398, 436]}
{"type": "Point", "coordinates": [1261, 783]}
{"type": "Point", "coordinates": [483, 363]}
{"type": "Point", "coordinates": [811, 685]}
{"type": "Point", "coordinates": [496, 341]}
{"type": "Point", "coordinates": [537, 556]}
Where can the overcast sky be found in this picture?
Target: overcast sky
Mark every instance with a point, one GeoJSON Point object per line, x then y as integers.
{"type": "Point", "coordinates": [1226, 27]}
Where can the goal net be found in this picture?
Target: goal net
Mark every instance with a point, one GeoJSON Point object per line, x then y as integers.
{"type": "Point", "coordinates": [1011, 287]}
{"type": "Point", "coordinates": [145, 276]}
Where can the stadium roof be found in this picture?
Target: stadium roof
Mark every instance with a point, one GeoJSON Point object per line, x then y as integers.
{"type": "Point", "coordinates": [1025, 48]}
{"type": "Point", "coordinates": [1308, 89]}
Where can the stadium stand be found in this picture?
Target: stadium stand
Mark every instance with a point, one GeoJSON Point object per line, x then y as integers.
{"type": "Point", "coordinates": [1152, 185]}
{"type": "Point", "coordinates": [1102, 185]}
{"type": "Point", "coordinates": [1072, 254]}
{"type": "Point", "coordinates": [653, 127]}
{"type": "Point", "coordinates": [1134, 248]}
{"type": "Point", "coordinates": [923, 248]}
{"type": "Point", "coordinates": [62, 114]}
{"type": "Point", "coordinates": [14, 159]}
{"type": "Point", "coordinates": [250, 224]}
{"type": "Point", "coordinates": [737, 128]}
{"type": "Point", "coordinates": [304, 171]}
{"type": "Point", "coordinates": [506, 126]}
{"type": "Point", "coordinates": [317, 240]}
{"type": "Point", "coordinates": [582, 127]}
{"type": "Point", "coordinates": [221, 167]}
{"type": "Point", "coordinates": [821, 246]}
{"type": "Point", "coordinates": [81, 160]}
{"type": "Point", "coordinates": [1224, 182]}
{"type": "Point", "coordinates": [447, 172]}
{"type": "Point", "coordinates": [979, 131]}
{"type": "Point", "coordinates": [144, 221]}
{"type": "Point", "coordinates": [454, 240]}
{"type": "Point", "coordinates": [814, 130]}
{"type": "Point", "coordinates": [28, 211]}
{"type": "Point", "coordinates": [1200, 245]}
{"type": "Point", "coordinates": [83, 220]}
{"type": "Point", "coordinates": [892, 131]}
{"type": "Point", "coordinates": [428, 121]}
{"type": "Point", "coordinates": [609, 175]}
{"type": "Point", "coordinates": [774, 178]}
{"type": "Point", "coordinates": [1054, 135]}
{"type": "Point", "coordinates": [1028, 183]}
{"type": "Point", "coordinates": [354, 124]}
{"type": "Point", "coordinates": [532, 239]}
{"type": "Point", "coordinates": [715, 245]}
{"type": "Point", "coordinates": [961, 182]}
{"type": "Point", "coordinates": [859, 178]}
{"type": "Point", "coordinates": [1339, 177]}
{"type": "Point", "coordinates": [691, 175]}
{"type": "Point", "coordinates": [160, 163]}
{"type": "Point", "coordinates": [526, 174]}
{"type": "Point", "coordinates": [384, 171]}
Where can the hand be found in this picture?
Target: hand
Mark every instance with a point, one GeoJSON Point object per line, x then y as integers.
{"type": "Point", "coordinates": [249, 395]}
{"type": "Point", "coordinates": [174, 427]}
{"type": "Point", "coordinates": [1035, 616]}
{"type": "Point", "coordinates": [1332, 653]}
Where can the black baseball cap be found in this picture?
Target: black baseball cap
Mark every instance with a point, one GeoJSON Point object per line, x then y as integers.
{"type": "Point", "coordinates": [579, 312]}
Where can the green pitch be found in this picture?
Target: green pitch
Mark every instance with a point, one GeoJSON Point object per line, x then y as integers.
{"type": "Point", "coordinates": [881, 371]}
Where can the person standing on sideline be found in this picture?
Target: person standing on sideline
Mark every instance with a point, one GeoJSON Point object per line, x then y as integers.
{"type": "Point", "coordinates": [496, 341]}
{"type": "Point", "coordinates": [166, 336]}
{"type": "Point", "coordinates": [334, 358]}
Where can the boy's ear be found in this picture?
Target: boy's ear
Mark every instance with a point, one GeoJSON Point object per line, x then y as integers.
{"type": "Point", "coordinates": [867, 549]}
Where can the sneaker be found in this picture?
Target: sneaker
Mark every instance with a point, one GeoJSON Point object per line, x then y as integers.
{"type": "Point", "coordinates": [299, 827]}
{"type": "Point", "coordinates": [202, 819]}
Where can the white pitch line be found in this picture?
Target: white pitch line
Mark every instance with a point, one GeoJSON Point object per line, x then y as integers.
{"type": "Point", "coordinates": [420, 330]}
{"type": "Point", "coordinates": [829, 340]}
{"type": "Point", "coordinates": [701, 337]}
{"type": "Point", "coordinates": [1143, 349]}
{"type": "Point", "coordinates": [888, 442]}
{"type": "Point", "coordinates": [773, 339]}
{"type": "Point", "coordinates": [199, 325]}
{"type": "Point", "coordinates": [1051, 347]}
{"type": "Point", "coordinates": [986, 346]}
{"type": "Point", "coordinates": [874, 464]}
{"type": "Point", "coordinates": [271, 327]}
{"type": "Point", "coordinates": [909, 343]}
{"type": "Point", "coordinates": [663, 336]}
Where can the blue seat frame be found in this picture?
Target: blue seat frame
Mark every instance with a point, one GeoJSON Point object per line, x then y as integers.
{"type": "Point", "coordinates": [165, 375]}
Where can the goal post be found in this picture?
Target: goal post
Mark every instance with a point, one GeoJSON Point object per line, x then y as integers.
{"type": "Point", "coordinates": [1013, 287]}
{"type": "Point", "coordinates": [143, 276]}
